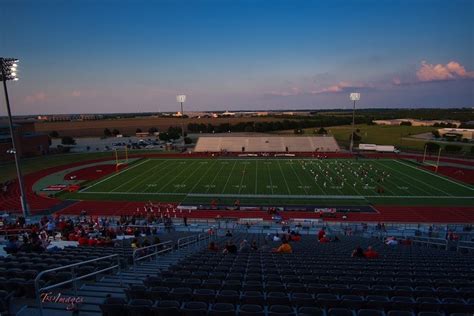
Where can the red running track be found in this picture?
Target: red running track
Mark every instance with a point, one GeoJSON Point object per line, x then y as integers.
{"type": "Point", "coordinates": [93, 172]}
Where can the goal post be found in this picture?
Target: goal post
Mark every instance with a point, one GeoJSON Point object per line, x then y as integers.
{"type": "Point", "coordinates": [120, 157]}
{"type": "Point", "coordinates": [430, 163]}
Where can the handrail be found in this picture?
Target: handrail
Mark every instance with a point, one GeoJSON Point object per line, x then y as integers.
{"type": "Point", "coordinates": [184, 241]}
{"type": "Point", "coordinates": [432, 241]}
{"type": "Point", "coordinates": [155, 253]}
{"type": "Point", "coordinates": [74, 279]}
{"type": "Point", "coordinates": [462, 245]}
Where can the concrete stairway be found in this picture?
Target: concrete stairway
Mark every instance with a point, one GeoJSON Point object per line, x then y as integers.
{"type": "Point", "coordinates": [114, 285]}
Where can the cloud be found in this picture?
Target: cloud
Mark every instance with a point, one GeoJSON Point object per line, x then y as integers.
{"type": "Point", "coordinates": [291, 92]}
{"type": "Point", "coordinates": [342, 86]}
{"type": "Point", "coordinates": [451, 71]}
{"type": "Point", "coordinates": [37, 97]}
{"type": "Point", "coordinates": [76, 93]}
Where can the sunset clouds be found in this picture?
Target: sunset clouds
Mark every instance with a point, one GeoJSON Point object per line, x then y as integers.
{"type": "Point", "coordinates": [450, 71]}
{"type": "Point", "coordinates": [36, 98]}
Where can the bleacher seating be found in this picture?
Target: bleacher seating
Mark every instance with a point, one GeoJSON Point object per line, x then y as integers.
{"type": "Point", "coordinates": [275, 144]}
{"type": "Point", "coordinates": [317, 279]}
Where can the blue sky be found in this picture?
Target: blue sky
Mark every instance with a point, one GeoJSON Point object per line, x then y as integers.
{"type": "Point", "coordinates": [128, 56]}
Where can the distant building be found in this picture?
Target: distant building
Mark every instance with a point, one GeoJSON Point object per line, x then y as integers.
{"type": "Point", "coordinates": [457, 133]}
{"type": "Point", "coordinates": [69, 117]}
{"type": "Point", "coordinates": [227, 113]}
{"type": "Point", "coordinates": [29, 143]}
{"type": "Point", "coordinates": [415, 122]}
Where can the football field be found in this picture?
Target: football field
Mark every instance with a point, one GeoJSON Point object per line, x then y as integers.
{"type": "Point", "coordinates": [286, 181]}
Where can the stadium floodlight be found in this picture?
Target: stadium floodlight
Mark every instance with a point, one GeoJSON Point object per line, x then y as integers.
{"type": "Point", "coordinates": [354, 96]}
{"type": "Point", "coordinates": [181, 98]}
{"type": "Point", "coordinates": [8, 71]}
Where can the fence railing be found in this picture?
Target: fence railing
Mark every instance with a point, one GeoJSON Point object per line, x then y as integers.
{"type": "Point", "coordinates": [143, 253]}
{"type": "Point", "coordinates": [467, 245]}
{"type": "Point", "coordinates": [75, 278]}
{"type": "Point", "coordinates": [430, 241]}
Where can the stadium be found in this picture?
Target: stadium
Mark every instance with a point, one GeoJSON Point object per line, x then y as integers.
{"type": "Point", "coordinates": [237, 158]}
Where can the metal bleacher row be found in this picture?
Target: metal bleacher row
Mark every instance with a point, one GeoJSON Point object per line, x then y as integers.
{"type": "Point", "coordinates": [18, 271]}
{"type": "Point", "coordinates": [267, 144]}
{"type": "Point", "coordinates": [316, 279]}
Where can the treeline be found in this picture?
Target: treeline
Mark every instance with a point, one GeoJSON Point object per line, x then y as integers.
{"type": "Point", "coordinates": [261, 127]}
{"type": "Point", "coordinates": [460, 114]}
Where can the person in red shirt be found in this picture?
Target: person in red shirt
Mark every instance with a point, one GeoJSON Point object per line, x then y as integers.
{"type": "Point", "coordinates": [83, 241]}
{"type": "Point", "coordinates": [92, 242]}
{"type": "Point", "coordinates": [324, 240]}
{"type": "Point", "coordinates": [321, 233]}
{"type": "Point", "coordinates": [370, 253]}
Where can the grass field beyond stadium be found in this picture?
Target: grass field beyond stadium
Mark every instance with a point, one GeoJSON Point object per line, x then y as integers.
{"type": "Point", "coordinates": [282, 181]}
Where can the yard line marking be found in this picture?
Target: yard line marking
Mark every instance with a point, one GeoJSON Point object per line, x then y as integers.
{"type": "Point", "coordinates": [242, 179]}
{"type": "Point", "coordinates": [284, 179]}
{"type": "Point", "coordinates": [230, 174]}
{"type": "Point", "coordinates": [191, 174]}
{"type": "Point", "coordinates": [299, 180]}
{"type": "Point", "coordinates": [138, 175]}
{"type": "Point", "coordinates": [419, 188]}
{"type": "Point", "coordinates": [415, 179]}
{"type": "Point", "coordinates": [110, 177]}
{"type": "Point", "coordinates": [177, 175]}
{"type": "Point", "coordinates": [152, 174]}
{"type": "Point", "coordinates": [214, 179]}
{"type": "Point", "coordinates": [434, 174]}
{"type": "Point", "coordinates": [256, 176]}
{"type": "Point", "coordinates": [270, 176]}
{"type": "Point", "coordinates": [211, 165]}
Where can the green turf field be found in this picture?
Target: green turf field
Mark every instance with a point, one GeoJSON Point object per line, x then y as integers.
{"type": "Point", "coordinates": [288, 181]}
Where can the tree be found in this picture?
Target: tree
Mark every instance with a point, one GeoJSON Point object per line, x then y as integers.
{"type": "Point", "coordinates": [115, 132]}
{"type": "Point", "coordinates": [405, 123]}
{"type": "Point", "coordinates": [68, 140]}
{"type": "Point", "coordinates": [164, 136]}
{"type": "Point", "coordinates": [322, 131]}
{"type": "Point", "coordinates": [107, 132]}
{"type": "Point", "coordinates": [432, 147]}
{"type": "Point", "coordinates": [139, 130]}
{"type": "Point", "coordinates": [54, 134]}
{"type": "Point", "coordinates": [436, 134]}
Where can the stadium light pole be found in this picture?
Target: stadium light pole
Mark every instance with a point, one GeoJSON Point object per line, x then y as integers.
{"type": "Point", "coordinates": [9, 72]}
{"type": "Point", "coordinates": [354, 96]}
{"type": "Point", "coordinates": [181, 98]}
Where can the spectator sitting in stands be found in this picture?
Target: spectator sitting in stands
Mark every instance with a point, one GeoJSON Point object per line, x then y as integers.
{"type": "Point", "coordinates": [324, 240]}
{"type": "Point", "coordinates": [391, 241]}
{"type": "Point", "coordinates": [244, 246]}
{"type": "Point", "coordinates": [12, 245]}
{"type": "Point", "coordinates": [135, 244]}
{"type": "Point", "coordinates": [230, 248]}
{"type": "Point", "coordinates": [83, 241]}
{"type": "Point", "coordinates": [254, 246]}
{"type": "Point", "coordinates": [336, 239]}
{"type": "Point", "coordinates": [276, 238]}
{"type": "Point", "coordinates": [321, 234]}
{"type": "Point", "coordinates": [228, 233]}
{"type": "Point", "coordinates": [358, 252]}
{"type": "Point", "coordinates": [370, 253]}
{"type": "Point", "coordinates": [284, 248]}
{"type": "Point", "coordinates": [213, 247]}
